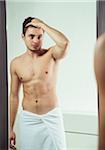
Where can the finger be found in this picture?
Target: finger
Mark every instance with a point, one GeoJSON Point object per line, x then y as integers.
{"type": "Point", "coordinates": [31, 24]}
{"type": "Point", "coordinates": [14, 142]}
{"type": "Point", "coordinates": [10, 142]}
{"type": "Point", "coordinates": [12, 147]}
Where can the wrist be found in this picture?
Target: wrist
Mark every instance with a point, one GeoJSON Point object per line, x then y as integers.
{"type": "Point", "coordinates": [43, 26]}
{"type": "Point", "coordinates": [11, 128]}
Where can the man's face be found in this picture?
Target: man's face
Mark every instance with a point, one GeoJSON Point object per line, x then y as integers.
{"type": "Point", "coordinates": [33, 38]}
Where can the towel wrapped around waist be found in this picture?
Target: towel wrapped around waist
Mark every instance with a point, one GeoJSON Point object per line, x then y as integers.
{"type": "Point", "coordinates": [42, 132]}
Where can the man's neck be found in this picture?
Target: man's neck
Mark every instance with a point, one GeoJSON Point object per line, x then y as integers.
{"type": "Point", "coordinates": [33, 54]}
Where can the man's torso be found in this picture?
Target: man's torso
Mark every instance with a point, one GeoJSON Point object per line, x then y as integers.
{"type": "Point", "coordinates": [38, 76]}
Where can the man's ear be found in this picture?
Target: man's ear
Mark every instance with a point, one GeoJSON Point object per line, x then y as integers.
{"type": "Point", "coordinates": [22, 35]}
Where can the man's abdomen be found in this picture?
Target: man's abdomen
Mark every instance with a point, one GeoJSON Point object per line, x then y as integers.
{"type": "Point", "coordinates": [40, 101]}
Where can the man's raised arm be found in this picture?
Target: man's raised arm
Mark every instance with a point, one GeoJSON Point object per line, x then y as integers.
{"type": "Point", "coordinates": [59, 50]}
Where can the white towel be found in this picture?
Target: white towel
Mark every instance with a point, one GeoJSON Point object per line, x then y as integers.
{"type": "Point", "coordinates": [42, 132]}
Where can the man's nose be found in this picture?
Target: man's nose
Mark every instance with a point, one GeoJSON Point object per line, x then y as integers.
{"type": "Point", "coordinates": [35, 40]}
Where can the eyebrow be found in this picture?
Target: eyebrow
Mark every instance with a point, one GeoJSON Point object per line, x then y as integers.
{"type": "Point", "coordinates": [35, 35]}
{"type": "Point", "coordinates": [31, 34]}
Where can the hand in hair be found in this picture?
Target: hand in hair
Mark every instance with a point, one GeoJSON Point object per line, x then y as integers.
{"type": "Point", "coordinates": [36, 22]}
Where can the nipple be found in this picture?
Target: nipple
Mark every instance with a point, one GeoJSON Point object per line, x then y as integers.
{"type": "Point", "coordinates": [46, 72]}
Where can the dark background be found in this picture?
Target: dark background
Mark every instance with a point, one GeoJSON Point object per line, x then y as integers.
{"type": "Point", "coordinates": [3, 80]}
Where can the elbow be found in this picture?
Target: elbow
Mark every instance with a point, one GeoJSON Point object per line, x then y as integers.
{"type": "Point", "coordinates": [66, 44]}
{"type": "Point", "coordinates": [65, 49]}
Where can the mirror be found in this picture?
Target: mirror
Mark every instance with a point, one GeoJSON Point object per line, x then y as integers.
{"type": "Point", "coordinates": [76, 86]}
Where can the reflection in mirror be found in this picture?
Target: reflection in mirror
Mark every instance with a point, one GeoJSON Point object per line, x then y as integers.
{"type": "Point", "coordinates": [76, 87]}
{"type": "Point", "coordinates": [39, 102]}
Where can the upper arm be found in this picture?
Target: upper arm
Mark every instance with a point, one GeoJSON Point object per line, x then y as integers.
{"type": "Point", "coordinates": [59, 51]}
{"type": "Point", "coordinates": [15, 83]}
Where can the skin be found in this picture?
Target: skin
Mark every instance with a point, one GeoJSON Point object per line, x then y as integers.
{"type": "Point", "coordinates": [36, 71]}
{"type": "Point", "coordinates": [100, 77]}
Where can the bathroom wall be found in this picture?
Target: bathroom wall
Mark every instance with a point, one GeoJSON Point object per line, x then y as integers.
{"type": "Point", "coordinates": [76, 86]}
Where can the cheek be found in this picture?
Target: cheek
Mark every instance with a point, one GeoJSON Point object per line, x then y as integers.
{"type": "Point", "coordinates": [28, 41]}
{"type": "Point", "coordinates": [40, 41]}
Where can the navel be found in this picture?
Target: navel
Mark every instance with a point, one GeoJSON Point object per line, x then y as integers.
{"type": "Point", "coordinates": [21, 78]}
{"type": "Point", "coordinates": [36, 101]}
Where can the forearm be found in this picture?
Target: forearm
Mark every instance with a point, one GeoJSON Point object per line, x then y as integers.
{"type": "Point", "coordinates": [59, 38]}
{"type": "Point", "coordinates": [13, 110]}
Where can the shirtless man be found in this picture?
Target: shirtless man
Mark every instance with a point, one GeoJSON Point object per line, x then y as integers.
{"type": "Point", "coordinates": [100, 76]}
{"type": "Point", "coordinates": [36, 70]}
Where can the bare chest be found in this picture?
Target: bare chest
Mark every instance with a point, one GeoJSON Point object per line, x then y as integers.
{"type": "Point", "coordinates": [39, 69]}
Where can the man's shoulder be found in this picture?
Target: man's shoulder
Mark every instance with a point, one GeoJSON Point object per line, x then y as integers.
{"type": "Point", "coordinates": [16, 60]}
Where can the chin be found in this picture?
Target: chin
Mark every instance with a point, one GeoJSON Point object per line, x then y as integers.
{"type": "Point", "coordinates": [33, 50]}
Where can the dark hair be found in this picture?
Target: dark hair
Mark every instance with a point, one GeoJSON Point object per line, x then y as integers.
{"type": "Point", "coordinates": [26, 21]}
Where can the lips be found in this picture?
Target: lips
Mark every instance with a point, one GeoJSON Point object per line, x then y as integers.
{"type": "Point", "coordinates": [35, 45]}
